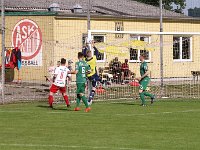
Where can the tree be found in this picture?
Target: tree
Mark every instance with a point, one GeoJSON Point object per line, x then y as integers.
{"type": "Point", "coordinates": [175, 5]}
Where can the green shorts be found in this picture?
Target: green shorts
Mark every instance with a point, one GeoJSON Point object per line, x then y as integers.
{"type": "Point", "coordinates": [144, 83]}
{"type": "Point", "coordinates": [80, 88]}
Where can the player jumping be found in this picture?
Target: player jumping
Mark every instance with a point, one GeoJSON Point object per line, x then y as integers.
{"type": "Point", "coordinates": [93, 76]}
{"type": "Point", "coordinates": [144, 81]}
{"type": "Point", "coordinates": [82, 69]}
{"type": "Point", "coordinates": [59, 83]}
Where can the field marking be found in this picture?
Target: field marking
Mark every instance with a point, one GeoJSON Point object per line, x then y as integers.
{"type": "Point", "coordinates": [83, 113]}
{"type": "Point", "coordinates": [168, 112]}
{"type": "Point", "coordinates": [65, 146]}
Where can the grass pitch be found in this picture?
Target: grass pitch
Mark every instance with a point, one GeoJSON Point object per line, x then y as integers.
{"type": "Point", "coordinates": [166, 125]}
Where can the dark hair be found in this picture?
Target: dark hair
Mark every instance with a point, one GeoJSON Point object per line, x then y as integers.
{"type": "Point", "coordinates": [80, 55]}
{"type": "Point", "coordinates": [63, 61]}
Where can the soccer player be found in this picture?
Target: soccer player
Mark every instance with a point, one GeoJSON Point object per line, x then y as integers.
{"type": "Point", "coordinates": [144, 81]}
{"type": "Point", "coordinates": [59, 83]}
{"type": "Point", "coordinates": [82, 69]}
{"type": "Point", "coordinates": [93, 76]}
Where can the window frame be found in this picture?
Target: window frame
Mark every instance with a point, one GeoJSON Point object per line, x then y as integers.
{"type": "Point", "coordinates": [104, 40]}
{"type": "Point", "coordinates": [181, 49]}
{"type": "Point", "coordinates": [149, 41]}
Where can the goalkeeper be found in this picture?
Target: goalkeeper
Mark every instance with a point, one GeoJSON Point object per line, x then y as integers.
{"type": "Point", "coordinates": [93, 77]}
{"type": "Point", "coordinates": [144, 81]}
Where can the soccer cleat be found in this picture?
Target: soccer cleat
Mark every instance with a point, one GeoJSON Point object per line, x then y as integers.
{"type": "Point", "coordinates": [68, 106]}
{"type": "Point", "coordinates": [77, 109]}
{"type": "Point", "coordinates": [90, 102]}
{"type": "Point", "coordinates": [153, 99]}
{"type": "Point", "coordinates": [87, 109]}
{"type": "Point", "coordinates": [143, 105]}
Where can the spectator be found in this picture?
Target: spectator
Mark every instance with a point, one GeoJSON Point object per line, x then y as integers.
{"type": "Point", "coordinates": [116, 69]}
{"type": "Point", "coordinates": [51, 70]}
{"type": "Point", "coordinates": [69, 66]}
{"type": "Point", "coordinates": [125, 70]}
{"type": "Point", "coordinates": [58, 63]}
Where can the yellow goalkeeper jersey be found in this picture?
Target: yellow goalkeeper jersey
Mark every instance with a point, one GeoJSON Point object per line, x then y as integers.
{"type": "Point", "coordinates": [92, 63]}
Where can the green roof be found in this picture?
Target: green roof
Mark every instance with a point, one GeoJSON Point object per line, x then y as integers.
{"type": "Point", "coordinates": [32, 13]}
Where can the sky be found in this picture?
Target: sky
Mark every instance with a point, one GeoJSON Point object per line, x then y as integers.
{"type": "Point", "coordinates": [191, 4]}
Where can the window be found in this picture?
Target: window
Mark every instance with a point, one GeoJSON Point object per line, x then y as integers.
{"type": "Point", "coordinates": [100, 39]}
{"type": "Point", "coordinates": [176, 48]}
{"type": "Point", "coordinates": [119, 26]}
{"type": "Point", "coordinates": [135, 53]}
{"type": "Point", "coordinates": [182, 48]}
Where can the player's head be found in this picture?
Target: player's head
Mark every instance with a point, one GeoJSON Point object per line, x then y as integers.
{"type": "Point", "coordinates": [142, 57]}
{"type": "Point", "coordinates": [63, 61]}
{"type": "Point", "coordinates": [80, 55]}
{"type": "Point", "coordinates": [58, 63]}
{"type": "Point", "coordinates": [126, 60]}
{"type": "Point", "coordinates": [88, 53]}
{"type": "Point", "coordinates": [116, 59]}
{"type": "Point", "coordinates": [70, 62]}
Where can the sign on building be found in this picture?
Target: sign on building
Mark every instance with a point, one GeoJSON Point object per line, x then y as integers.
{"type": "Point", "coordinates": [27, 36]}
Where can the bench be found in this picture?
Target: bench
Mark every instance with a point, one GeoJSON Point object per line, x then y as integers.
{"type": "Point", "coordinates": [196, 75]}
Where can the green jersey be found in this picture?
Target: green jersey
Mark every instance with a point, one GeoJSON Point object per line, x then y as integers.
{"type": "Point", "coordinates": [82, 67]}
{"type": "Point", "coordinates": [143, 68]}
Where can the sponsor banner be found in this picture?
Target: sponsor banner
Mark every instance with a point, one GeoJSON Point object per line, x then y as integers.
{"type": "Point", "coordinates": [27, 36]}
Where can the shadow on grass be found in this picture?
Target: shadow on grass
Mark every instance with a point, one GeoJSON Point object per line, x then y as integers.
{"type": "Point", "coordinates": [54, 108]}
{"type": "Point", "coordinates": [126, 104]}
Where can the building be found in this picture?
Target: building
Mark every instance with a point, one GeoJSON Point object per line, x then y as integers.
{"type": "Point", "coordinates": [46, 31]}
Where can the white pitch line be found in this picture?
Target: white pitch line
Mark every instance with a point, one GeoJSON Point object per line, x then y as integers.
{"type": "Point", "coordinates": [65, 146]}
{"type": "Point", "coordinates": [83, 113]}
{"type": "Point", "coordinates": [184, 111]}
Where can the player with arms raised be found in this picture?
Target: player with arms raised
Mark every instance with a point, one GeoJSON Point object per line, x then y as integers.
{"type": "Point", "coordinates": [93, 77]}
{"type": "Point", "coordinates": [82, 69]}
{"type": "Point", "coordinates": [144, 81]}
{"type": "Point", "coordinates": [59, 83]}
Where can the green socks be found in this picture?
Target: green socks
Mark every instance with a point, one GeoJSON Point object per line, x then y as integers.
{"type": "Point", "coordinates": [148, 94]}
{"type": "Point", "coordinates": [142, 97]}
{"type": "Point", "coordinates": [84, 99]}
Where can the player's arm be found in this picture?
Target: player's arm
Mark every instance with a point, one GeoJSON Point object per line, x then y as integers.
{"type": "Point", "coordinates": [147, 72]}
{"type": "Point", "coordinates": [84, 51]}
{"type": "Point", "coordinates": [74, 72]}
{"type": "Point", "coordinates": [96, 52]}
{"type": "Point", "coordinates": [76, 69]}
{"type": "Point", "coordinates": [88, 70]}
{"type": "Point", "coordinates": [55, 74]}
